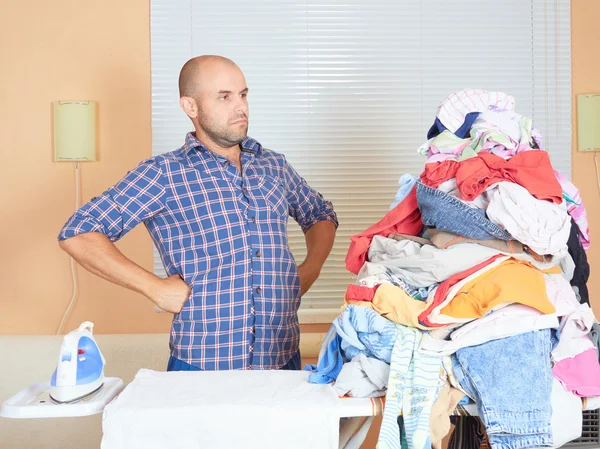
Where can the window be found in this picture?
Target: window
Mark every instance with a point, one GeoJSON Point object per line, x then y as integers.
{"type": "Point", "coordinates": [347, 90]}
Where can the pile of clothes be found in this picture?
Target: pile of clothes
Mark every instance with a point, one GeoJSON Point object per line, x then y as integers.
{"type": "Point", "coordinates": [472, 289]}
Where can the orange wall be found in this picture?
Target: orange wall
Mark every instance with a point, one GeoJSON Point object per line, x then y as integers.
{"type": "Point", "coordinates": [585, 35]}
{"type": "Point", "coordinates": [69, 49]}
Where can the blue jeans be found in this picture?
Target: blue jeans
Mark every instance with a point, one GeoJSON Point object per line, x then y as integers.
{"type": "Point", "coordinates": [174, 364]}
{"type": "Point", "coordinates": [511, 381]}
{"type": "Point", "coordinates": [444, 212]}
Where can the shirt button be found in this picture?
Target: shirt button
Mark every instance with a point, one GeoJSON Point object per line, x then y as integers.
{"type": "Point", "coordinates": [258, 254]}
{"type": "Point", "coordinates": [258, 290]}
{"type": "Point", "coordinates": [253, 219]}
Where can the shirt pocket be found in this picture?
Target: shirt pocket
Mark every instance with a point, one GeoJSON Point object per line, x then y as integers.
{"type": "Point", "coordinates": [272, 190]}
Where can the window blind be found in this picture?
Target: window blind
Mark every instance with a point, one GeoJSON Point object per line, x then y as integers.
{"type": "Point", "coordinates": [348, 89]}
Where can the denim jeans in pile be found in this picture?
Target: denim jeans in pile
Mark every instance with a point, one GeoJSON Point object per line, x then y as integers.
{"type": "Point", "coordinates": [447, 213]}
{"type": "Point", "coordinates": [511, 381]}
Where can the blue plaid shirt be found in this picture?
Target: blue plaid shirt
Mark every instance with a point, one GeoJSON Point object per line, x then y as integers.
{"type": "Point", "coordinates": [225, 234]}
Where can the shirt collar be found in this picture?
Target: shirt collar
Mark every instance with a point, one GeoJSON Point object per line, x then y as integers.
{"type": "Point", "coordinates": [248, 144]}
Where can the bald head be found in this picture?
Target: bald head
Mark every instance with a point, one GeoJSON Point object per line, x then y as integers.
{"type": "Point", "coordinates": [213, 93]}
{"type": "Point", "coordinates": [192, 72]}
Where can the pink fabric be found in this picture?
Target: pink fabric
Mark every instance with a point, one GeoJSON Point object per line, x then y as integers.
{"type": "Point", "coordinates": [360, 293]}
{"type": "Point", "coordinates": [577, 211]}
{"type": "Point", "coordinates": [580, 374]}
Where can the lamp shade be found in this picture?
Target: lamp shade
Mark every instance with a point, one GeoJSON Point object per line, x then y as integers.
{"type": "Point", "coordinates": [588, 122]}
{"type": "Point", "coordinates": [74, 131]}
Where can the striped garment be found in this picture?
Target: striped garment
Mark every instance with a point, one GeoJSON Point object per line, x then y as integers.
{"type": "Point", "coordinates": [454, 109]}
{"type": "Point", "coordinates": [413, 386]}
{"type": "Point", "coordinates": [225, 233]}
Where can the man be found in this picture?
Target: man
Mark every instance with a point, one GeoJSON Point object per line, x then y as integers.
{"type": "Point", "coordinates": [217, 210]}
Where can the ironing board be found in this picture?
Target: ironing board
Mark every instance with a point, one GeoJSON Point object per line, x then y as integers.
{"type": "Point", "coordinates": [152, 390]}
{"type": "Point", "coordinates": [151, 394]}
{"type": "Point", "coordinates": [225, 409]}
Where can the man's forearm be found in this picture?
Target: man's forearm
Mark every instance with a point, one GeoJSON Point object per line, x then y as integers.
{"type": "Point", "coordinates": [319, 241]}
{"type": "Point", "coordinates": [96, 253]}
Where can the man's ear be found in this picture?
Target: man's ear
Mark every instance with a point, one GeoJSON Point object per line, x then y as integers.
{"type": "Point", "coordinates": [189, 106]}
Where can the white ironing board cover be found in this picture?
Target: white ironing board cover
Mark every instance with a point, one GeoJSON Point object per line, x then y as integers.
{"type": "Point", "coordinates": [228, 408]}
{"type": "Point", "coordinates": [222, 409]}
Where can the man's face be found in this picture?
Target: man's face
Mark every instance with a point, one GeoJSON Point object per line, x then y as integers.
{"type": "Point", "coordinates": [223, 105]}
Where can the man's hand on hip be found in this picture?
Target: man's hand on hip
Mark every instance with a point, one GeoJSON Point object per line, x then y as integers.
{"type": "Point", "coordinates": [308, 274]}
{"type": "Point", "coordinates": [171, 294]}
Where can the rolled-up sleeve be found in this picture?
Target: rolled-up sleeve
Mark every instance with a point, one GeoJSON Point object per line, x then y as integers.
{"type": "Point", "coordinates": [306, 205]}
{"type": "Point", "coordinates": [139, 196]}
